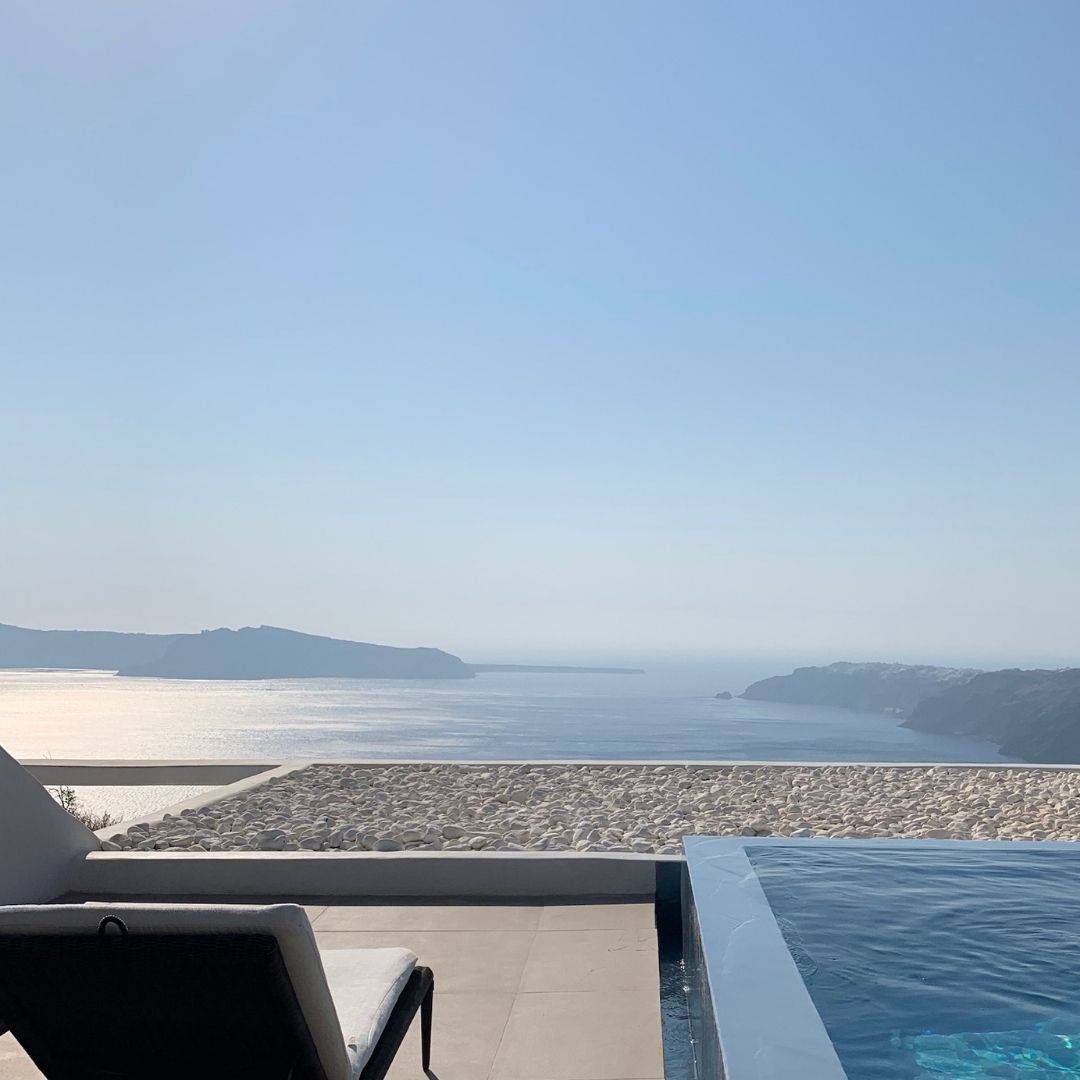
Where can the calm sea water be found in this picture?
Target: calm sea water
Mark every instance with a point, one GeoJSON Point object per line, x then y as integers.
{"type": "Point", "coordinates": [938, 963]}
{"type": "Point", "coordinates": [670, 713]}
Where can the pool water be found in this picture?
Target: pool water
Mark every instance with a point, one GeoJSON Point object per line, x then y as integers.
{"type": "Point", "coordinates": [927, 962]}
{"type": "Point", "coordinates": [674, 1003]}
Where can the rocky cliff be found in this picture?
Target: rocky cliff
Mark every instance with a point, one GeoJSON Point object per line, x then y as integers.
{"type": "Point", "coordinates": [1033, 715]}
{"type": "Point", "coordinates": [895, 688]}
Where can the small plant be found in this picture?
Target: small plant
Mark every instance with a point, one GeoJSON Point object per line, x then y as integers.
{"type": "Point", "coordinates": [67, 798]}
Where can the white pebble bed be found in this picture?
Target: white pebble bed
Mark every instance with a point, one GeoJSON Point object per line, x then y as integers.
{"type": "Point", "coordinates": [639, 808]}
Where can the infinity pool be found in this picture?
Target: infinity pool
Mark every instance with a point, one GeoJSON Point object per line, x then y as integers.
{"type": "Point", "coordinates": [891, 960]}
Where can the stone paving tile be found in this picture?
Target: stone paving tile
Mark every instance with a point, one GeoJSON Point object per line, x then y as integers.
{"type": "Point", "coordinates": [14, 1064]}
{"type": "Point", "coordinates": [466, 1031]}
{"type": "Point", "coordinates": [462, 960]}
{"type": "Point", "coordinates": [629, 916]}
{"type": "Point", "coordinates": [374, 917]}
{"type": "Point", "coordinates": [603, 1035]}
{"type": "Point", "coordinates": [591, 960]}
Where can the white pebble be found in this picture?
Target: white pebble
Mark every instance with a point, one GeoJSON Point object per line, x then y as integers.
{"type": "Point", "coordinates": [641, 808]}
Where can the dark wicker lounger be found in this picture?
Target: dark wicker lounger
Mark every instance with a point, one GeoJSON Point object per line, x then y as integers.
{"type": "Point", "coordinates": [202, 992]}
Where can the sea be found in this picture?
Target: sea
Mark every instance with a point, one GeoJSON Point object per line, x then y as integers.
{"type": "Point", "coordinates": [670, 712]}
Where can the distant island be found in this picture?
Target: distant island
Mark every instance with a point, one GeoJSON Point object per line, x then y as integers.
{"type": "Point", "coordinates": [253, 652]}
{"type": "Point", "coordinates": [268, 652]}
{"type": "Point", "coordinates": [100, 650]}
{"type": "Point", "coordinates": [558, 669]}
{"type": "Point", "coordinates": [1034, 715]}
{"type": "Point", "coordinates": [263, 652]}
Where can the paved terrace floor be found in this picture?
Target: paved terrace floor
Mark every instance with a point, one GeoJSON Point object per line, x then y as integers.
{"type": "Point", "coordinates": [522, 992]}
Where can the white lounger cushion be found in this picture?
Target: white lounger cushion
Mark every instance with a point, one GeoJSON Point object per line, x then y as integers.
{"type": "Point", "coordinates": [365, 985]}
{"type": "Point", "coordinates": [286, 922]}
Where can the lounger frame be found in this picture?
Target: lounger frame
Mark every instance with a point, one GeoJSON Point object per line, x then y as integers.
{"type": "Point", "coordinates": [419, 993]}
{"type": "Point", "coordinates": [78, 1005]}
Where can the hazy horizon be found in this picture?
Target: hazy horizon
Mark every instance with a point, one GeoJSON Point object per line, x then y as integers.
{"type": "Point", "coordinates": [660, 659]}
{"type": "Point", "coordinates": [524, 331]}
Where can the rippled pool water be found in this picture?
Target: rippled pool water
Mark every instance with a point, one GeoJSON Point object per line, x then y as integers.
{"type": "Point", "coordinates": [928, 962]}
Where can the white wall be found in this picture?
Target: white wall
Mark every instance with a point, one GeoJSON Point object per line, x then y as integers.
{"type": "Point", "coordinates": [516, 874]}
{"type": "Point", "coordinates": [40, 842]}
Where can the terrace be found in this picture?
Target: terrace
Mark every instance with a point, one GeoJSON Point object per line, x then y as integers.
{"type": "Point", "coordinates": [565, 961]}
{"type": "Point", "coordinates": [546, 966]}
{"type": "Point", "coordinates": [558, 991]}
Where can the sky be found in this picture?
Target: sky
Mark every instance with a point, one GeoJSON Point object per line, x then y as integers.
{"type": "Point", "coordinates": [614, 328]}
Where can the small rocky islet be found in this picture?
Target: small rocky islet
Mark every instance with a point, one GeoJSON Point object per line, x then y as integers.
{"type": "Point", "coordinates": [603, 807]}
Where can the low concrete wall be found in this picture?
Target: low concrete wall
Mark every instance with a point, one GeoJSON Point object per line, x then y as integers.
{"type": "Point", "coordinates": [143, 773]}
{"type": "Point", "coordinates": [40, 842]}
{"type": "Point", "coordinates": [205, 771]}
{"type": "Point", "coordinates": [369, 874]}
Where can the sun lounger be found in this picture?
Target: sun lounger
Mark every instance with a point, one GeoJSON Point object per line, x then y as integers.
{"type": "Point", "coordinates": [201, 992]}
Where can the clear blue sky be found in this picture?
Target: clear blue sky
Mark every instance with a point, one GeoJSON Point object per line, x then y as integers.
{"type": "Point", "coordinates": [614, 326]}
